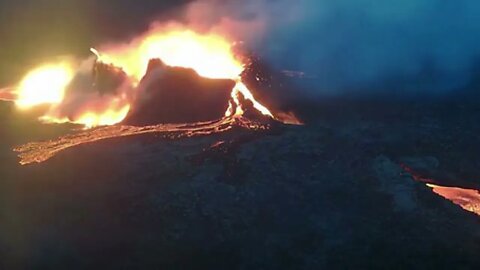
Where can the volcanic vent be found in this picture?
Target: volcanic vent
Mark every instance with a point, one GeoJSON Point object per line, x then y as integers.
{"type": "Point", "coordinates": [149, 85]}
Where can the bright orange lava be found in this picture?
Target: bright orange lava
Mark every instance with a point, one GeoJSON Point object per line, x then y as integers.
{"type": "Point", "coordinates": [210, 55]}
{"type": "Point", "coordinates": [92, 119]}
{"type": "Point", "coordinates": [468, 199]}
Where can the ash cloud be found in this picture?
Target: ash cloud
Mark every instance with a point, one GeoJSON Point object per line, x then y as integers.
{"type": "Point", "coordinates": [363, 46]}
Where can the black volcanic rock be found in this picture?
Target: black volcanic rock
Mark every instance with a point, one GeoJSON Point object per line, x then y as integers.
{"type": "Point", "coordinates": [178, 95]}
{"type": "Point", "coordinates": [107, 78]}
{"type": "Point", "coordinates": [302, 197]}
{"type": "Point", "coordinates": [271, 87]}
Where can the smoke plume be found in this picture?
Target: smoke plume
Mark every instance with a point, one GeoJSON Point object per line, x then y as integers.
{"type": "Point", "coordinates": [362, 46]}
{"type": "Point", "coordinates": [335, 46]}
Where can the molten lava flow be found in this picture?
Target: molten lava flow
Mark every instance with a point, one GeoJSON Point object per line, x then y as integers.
{"type": "Point", "coordinates": [241, 88]}
{"type": "Point", "coordinates": [44, 85]}
{"type": "Point", "coordinates": [73, 95]}
{"type": "Point", "coordinates": [468, 199]}
{"type": "Point", "coordinates": [37, 152]}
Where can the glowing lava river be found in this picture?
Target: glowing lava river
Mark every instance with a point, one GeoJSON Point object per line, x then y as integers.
{"type": "Point", "coordinates": [467, 199]}
{"type": "Point", "coordinates": [37, 152]}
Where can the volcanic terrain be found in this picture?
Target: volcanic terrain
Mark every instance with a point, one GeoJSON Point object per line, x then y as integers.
{"type": "Point", "coordinates": [333, 193]}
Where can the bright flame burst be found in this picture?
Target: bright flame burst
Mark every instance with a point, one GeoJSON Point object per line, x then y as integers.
{"type": "Point", "coordinates": [107, 118]}
{"type": "Point", "coordinates": [90, 119]}
{"type": "Point", "coordinates": [44, 85]}
{"type": "Point", "coordinates": [210, 55]}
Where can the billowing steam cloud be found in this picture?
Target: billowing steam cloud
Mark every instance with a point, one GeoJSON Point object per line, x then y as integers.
{"type": "Point", "coordinates": [361, 46]}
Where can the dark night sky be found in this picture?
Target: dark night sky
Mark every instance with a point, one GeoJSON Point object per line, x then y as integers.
{"type": "Point", "coordinates": [421, 46]}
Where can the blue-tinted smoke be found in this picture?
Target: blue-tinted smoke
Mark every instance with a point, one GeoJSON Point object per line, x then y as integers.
{"type": "Point", "coordinates": [411, 46]}
{"type": "Point", "coordinates": [342, 46]}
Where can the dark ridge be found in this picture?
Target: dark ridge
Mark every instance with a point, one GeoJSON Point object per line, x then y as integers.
{"type": "Point", "coordinates": [270, 87]}
{"type": "Point", "coordinates": [107, 78]}
{"type": "Point", "coordinates": [178, 95]}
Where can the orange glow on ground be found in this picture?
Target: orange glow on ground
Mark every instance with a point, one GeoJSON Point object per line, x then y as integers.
{"type": "Point", "coordinates": [241, 88]}
{"type": "Point", "coordinates": [210, 55]}
{"type": "Point", "coordinates": [468, 199]}
{"type": "Point", "coordinates": [106, 118]}
{"type": "Point", "coordinates": [36, 152]}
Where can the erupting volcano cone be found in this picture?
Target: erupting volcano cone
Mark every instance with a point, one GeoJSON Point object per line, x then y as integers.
{"type": "Point", "coordinates": [178, 95]}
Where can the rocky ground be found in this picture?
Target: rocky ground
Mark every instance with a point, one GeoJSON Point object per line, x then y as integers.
{"type": "Point", "coordinates": [328, 195]}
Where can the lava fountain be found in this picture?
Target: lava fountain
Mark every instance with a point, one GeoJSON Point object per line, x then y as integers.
{"type": "Point", "coordinates": [210, 55]}
{"type": "Point", "coordinates": [57, 87]}
{"type": "Point", "coordinates": [44, 85]}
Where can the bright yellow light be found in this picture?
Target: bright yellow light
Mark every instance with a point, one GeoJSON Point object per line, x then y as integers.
{"type": "Point", "coordinates": [106, 118]}
{"type": "Point", "coordinates": [44, 85]}
{"type": "Point", "coordinates": [209, 55]}
{"type": "Point", "coordinates": [242, 88]}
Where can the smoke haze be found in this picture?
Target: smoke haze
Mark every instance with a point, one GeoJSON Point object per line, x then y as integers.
{"type": "Point", "coordinates": [342, 46]}
{"type": "Point", "coordinates": [411, 46]}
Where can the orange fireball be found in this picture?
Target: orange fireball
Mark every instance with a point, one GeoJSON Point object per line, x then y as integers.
{"type": "Point", "coordinates": [44, 85]}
